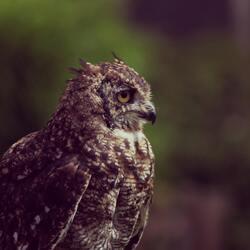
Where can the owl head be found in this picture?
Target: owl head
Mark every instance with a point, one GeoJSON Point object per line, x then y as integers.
{"type": "Point", "coordinates": [126, 97]}
{"type": "Point", "coordinates": [116, 92]}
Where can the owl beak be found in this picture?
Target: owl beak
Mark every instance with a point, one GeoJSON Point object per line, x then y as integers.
{"type": "Point", "coordinates": [150, 114]}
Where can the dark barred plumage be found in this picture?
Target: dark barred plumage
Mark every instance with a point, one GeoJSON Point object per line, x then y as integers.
{"type": "Point", "coordinates": [85, 180]}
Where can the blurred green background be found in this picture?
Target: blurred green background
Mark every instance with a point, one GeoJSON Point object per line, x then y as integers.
{"type": "Point", "coordinates": [196, 56]}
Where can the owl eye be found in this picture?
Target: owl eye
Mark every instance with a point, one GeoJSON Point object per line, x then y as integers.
{"type": "Point", "coordinates": [124, 96]}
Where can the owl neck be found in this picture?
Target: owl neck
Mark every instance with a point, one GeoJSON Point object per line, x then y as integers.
{"type": "Point", "coordinates": [67, 125]}
{"type": "Point", "coordinates": [131, 136]}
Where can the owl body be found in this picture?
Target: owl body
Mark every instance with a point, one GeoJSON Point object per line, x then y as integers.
{"type": "Point", "coordinates": [127, 185]}
{"type": "Point", "coordinates": [85, 180]}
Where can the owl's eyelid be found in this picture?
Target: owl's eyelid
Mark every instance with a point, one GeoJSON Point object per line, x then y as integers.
{"type": "Point", "coordinates": [120, 90]}
{"type": "Point", "coordinates": [129, 89]}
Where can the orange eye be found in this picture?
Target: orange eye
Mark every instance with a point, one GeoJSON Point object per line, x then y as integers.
{"type": "Point", "coordinates": [124, 96]}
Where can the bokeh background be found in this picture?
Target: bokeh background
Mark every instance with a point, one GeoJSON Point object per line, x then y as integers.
{"type": "Point", "coordinates": [195, 54]}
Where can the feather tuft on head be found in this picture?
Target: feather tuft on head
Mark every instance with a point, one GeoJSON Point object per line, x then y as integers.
{"type": "Point", "coordinates": [75, 71]}
{"type": "Point", "coordinates": [116, 58]}
{"type": "Point", "coordinates": [83, 63]}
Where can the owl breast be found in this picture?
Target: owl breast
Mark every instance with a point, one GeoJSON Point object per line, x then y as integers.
{"type": "Point", "coordinates": [117, 192]}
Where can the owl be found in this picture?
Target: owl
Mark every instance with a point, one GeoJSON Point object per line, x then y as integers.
{"type": "Point", "coordinates": [85, 180]}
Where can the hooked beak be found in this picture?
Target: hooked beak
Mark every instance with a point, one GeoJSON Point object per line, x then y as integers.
{"type": "Point", "coordinates": [150, 114]}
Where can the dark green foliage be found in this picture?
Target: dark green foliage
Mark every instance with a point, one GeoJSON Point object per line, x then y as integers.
{"type": "Point", "coordinates": [204, 136]}
{"type": "Point", "coordinates": [204, 105]}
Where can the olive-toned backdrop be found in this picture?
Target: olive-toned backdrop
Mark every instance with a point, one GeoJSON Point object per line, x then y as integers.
{"type": "Point", "coordinates": [196, 58]}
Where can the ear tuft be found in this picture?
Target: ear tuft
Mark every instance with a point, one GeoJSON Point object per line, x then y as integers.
{"type": "Point", "coordinates": [83, 63]}
{"type": "Point", "coordinates": [117, 59]}
{"type": "Point", "coordinates": [75, 71]}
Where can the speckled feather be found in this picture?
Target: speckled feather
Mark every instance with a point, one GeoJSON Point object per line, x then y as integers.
{"type": "Point", "coordinates": [85, 180]}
